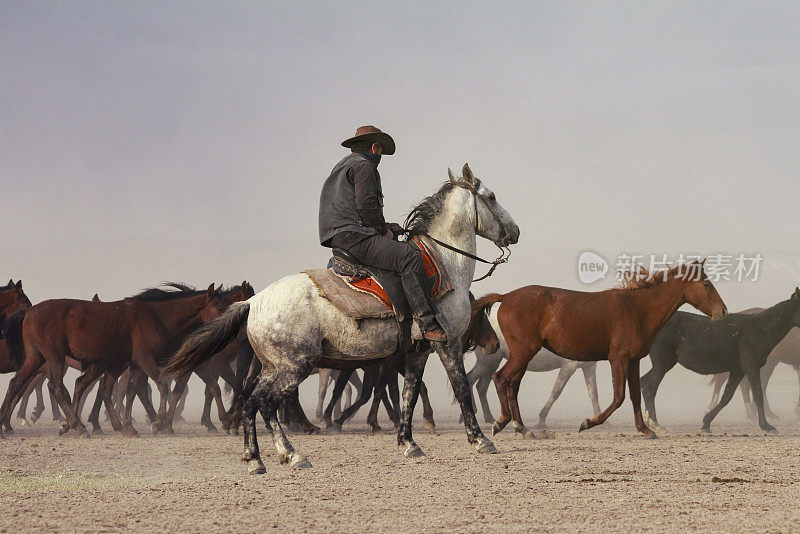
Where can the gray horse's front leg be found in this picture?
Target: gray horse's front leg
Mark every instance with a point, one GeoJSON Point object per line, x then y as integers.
{"type": "Point", "coordinates": [415, 367]}
{"type": "Point", "coordinates": [453, 361]}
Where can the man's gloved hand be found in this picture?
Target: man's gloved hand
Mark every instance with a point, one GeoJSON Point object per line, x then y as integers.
{"type": "Point", "coordinates": [396, 229]}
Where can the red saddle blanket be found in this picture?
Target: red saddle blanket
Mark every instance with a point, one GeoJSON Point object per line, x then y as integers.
{"type": "Point", "coordinates": [363, 297]}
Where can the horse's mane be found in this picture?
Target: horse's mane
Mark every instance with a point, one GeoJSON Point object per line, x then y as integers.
{"type": "Point", "coordinates": [9, 285]}
{"type": "Point", "coordinates": [224, 291]}
{"type": "Point", "coordinates": [640, 278]}
{"type": "Point", "coordinates": [158, 294]}
{"type": "Point", "coordinates": [421, 216]}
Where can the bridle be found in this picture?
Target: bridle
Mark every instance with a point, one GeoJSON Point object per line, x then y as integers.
{"type": "Point", "coordinates": [505, 252]}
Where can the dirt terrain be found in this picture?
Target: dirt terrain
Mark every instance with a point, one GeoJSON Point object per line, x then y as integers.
{"type": "Point", "coordinates": [736, 479]}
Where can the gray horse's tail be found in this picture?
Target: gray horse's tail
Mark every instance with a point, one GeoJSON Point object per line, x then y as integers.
{"type": "Point", "coordinates": [208, 340]}
{"type": "Point", "coordinates": [12, 331]}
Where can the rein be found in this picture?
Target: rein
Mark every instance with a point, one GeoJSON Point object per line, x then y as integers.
{"type": "Point", "coordinates": [505, 252]}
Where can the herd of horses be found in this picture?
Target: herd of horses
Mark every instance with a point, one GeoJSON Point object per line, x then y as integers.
{"type": "Point", "coordinates": [264, 345]}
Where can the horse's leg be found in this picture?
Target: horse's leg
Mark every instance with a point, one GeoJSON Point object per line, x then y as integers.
{"type": "Point", "coordinates": [244, 360]}
{"type": "Point", "coordinates": [427, 409]}
{"type": "Point", "coordinates": [147, 363]}
{"type": "Point", "coordinates": [94, 415]}
{"type": "Point", "coordinates": [212, 382]}
{"type": "Point", "coordinates": [107, 384]}
{"type": "Point", "coordinates": [744, 387]}
{"type": "Point", "coordinates": [181, 405]}
{"type": "Point", "coordinates": [338, 387]}
{"type": "Point", "coordinates": [205, 419]}
{"type": "Point", "coordinates": [355, 381]}
{"type": "Point", "coordinates": [18, 384]}
{"type": "Point", "coordinates": [372, 417]}
{"type": "Point", "coordinates": [130, 391]}
{"type": "Point", "coordinates": [797, 408]}
{"type": "Point", "coordinates": [300, 415]}
{"type": "Point", "coordinates": [415, 366]}
{"type": "Point", "coordinates": [636, 400]}
{"type": "Point", "coordinates": [590, 377]}
{"type": "Point", "coordinates": [371, 382]}
{"type": "Point", "coordinates": [734, 377]}
{"type": "Point", "coordinates": [752, 370]}
{"type": "Point", "coordinates": [520, 354]}
{"type": "Point", "coordinates": [513, 393]}
{"type": "Point", "coordinates": [453, 362]}
{"type": "Point", "coordinates": [662, 360]}
{"type": "Point", "coordinates": [23, 403]}
{"type": "Point", "coordinates": [322, 389]}
{"type": "Point", "coordinates": [55, 381]}
{"type": "Point", "coordinates": [174, 397]}
{"type": "Point", "coordinates": [566, 371]}
{"type": "Point", "coordinates": [619, 370]}
{"type": "Point", "coordinates": [82, 402]}
{"type": "Point", "coordinates": [766, 374]}
{"type": "Point", "coordinates": [718, 381]}
{"type": "Point", "coordinates": [82, 385]}
{"type": "Point", "coordinates": [144, 394]}
{"type": "Point", "coordinates": [227, 374]}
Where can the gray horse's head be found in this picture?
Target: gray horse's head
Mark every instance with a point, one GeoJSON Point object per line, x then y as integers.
{"type": "Point", "coordinates": [493, 221]}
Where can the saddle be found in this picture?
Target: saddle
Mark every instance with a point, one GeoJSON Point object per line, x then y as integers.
{"type": "Point", "coordinates": [364, 292]}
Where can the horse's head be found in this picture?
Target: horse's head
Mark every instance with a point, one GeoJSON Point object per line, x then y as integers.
{"type": "Point", "coordinates": [213, 305]}
{"type": "Point", "coordinates": [795, 298]}
{"type": "Point", "coordinates": [12, 298]}
{"type": "Point", "coordinates": [242, 292]}
{"type": "Point", "coordinates": [479, 332]}
{"type": "Point", "coordinates": [700, 292]}
{"type": "Point", "coordinates": [493, 222]}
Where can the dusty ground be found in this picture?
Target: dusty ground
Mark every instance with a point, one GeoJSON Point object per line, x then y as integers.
{"type": "Point", "coordinates": [734, 480]}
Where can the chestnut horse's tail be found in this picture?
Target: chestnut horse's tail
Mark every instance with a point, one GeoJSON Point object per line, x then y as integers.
{"type": "Point", "coordinates": [12, 331]}
{"type": "Point", "coordinates": [208, 340]}
{"type": "Point", "coordinates": [479, 306]}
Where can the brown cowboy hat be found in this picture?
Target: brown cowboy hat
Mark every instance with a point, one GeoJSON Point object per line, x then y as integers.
{"type": "Point", "coordinates": [370, 133]}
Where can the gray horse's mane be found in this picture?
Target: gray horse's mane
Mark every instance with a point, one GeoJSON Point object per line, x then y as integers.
{"type": "Point", "coordinates": [420, 218]}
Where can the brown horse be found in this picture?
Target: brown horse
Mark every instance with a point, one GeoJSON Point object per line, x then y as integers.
{"type": "Point", "coordinates": [12, 298]}
{"type": "Point", "coordinates": [618, 325]}
{"type": "Point", "coordinates": [105, 336]}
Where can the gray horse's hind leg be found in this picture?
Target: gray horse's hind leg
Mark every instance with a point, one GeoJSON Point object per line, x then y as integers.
{"type": "Point", "coordinates": [267, 395]}
{"type": "Point", "coordinates": [590, 377]}
{"type": "Point", "coordinates": [568, 368]}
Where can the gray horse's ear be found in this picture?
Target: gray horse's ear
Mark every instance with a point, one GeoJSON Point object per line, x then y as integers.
{"type": "Point", "coordinates": [466, 172]}
{"type": "Point", "coordinates": [451, 175]}
{"type": "Point", "coordinates": [796, 294]}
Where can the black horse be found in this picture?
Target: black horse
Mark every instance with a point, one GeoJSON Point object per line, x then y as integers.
{"type": "Point", "coordinates": [739, 345]}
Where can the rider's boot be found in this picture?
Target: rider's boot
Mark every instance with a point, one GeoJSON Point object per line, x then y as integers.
{"type": "Point", "coordinates": [423, 307]}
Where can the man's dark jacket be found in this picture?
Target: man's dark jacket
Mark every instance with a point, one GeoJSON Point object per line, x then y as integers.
{"type": "Point", "coordinates": [351, 200]}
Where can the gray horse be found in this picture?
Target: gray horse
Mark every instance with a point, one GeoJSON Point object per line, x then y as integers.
{"type": "Point", "coordinates": [291, 326]}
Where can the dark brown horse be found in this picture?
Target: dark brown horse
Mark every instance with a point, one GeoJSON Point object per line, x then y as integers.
{"type": "Point", "coordinates": [12, 298]}
{"type": "Point", "coordinates": [104, 336]}
{"type": "Point", "coordinates": [618, 325]}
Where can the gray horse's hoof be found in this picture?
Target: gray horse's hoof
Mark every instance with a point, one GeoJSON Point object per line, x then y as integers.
{"type": "Point", "coordinates": [584, 425]}
{"type": "Point", "coordinates": [299, 462]}
{"type": "Point", "coordinates": [256, 467]}
{"type": "Point", "coordinates": [485, 446]}
{"type": "Point", "coordinates": [706, 429]}
{"type": "Point", "coordinates": [413, 451]}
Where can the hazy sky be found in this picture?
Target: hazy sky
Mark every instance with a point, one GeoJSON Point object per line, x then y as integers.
{"type": "Point", "coordinates": [143, 142]}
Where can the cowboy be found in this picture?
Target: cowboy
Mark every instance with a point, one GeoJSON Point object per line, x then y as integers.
{"type": "Point", "coordinates": [351, 219]}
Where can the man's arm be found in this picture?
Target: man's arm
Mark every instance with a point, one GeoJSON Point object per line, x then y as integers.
{"type": "Point", "coordinates": [365, 181]}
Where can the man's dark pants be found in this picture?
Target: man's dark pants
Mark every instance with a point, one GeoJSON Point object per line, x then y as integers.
{"type": "Point", "coordinates": [396, 256]}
